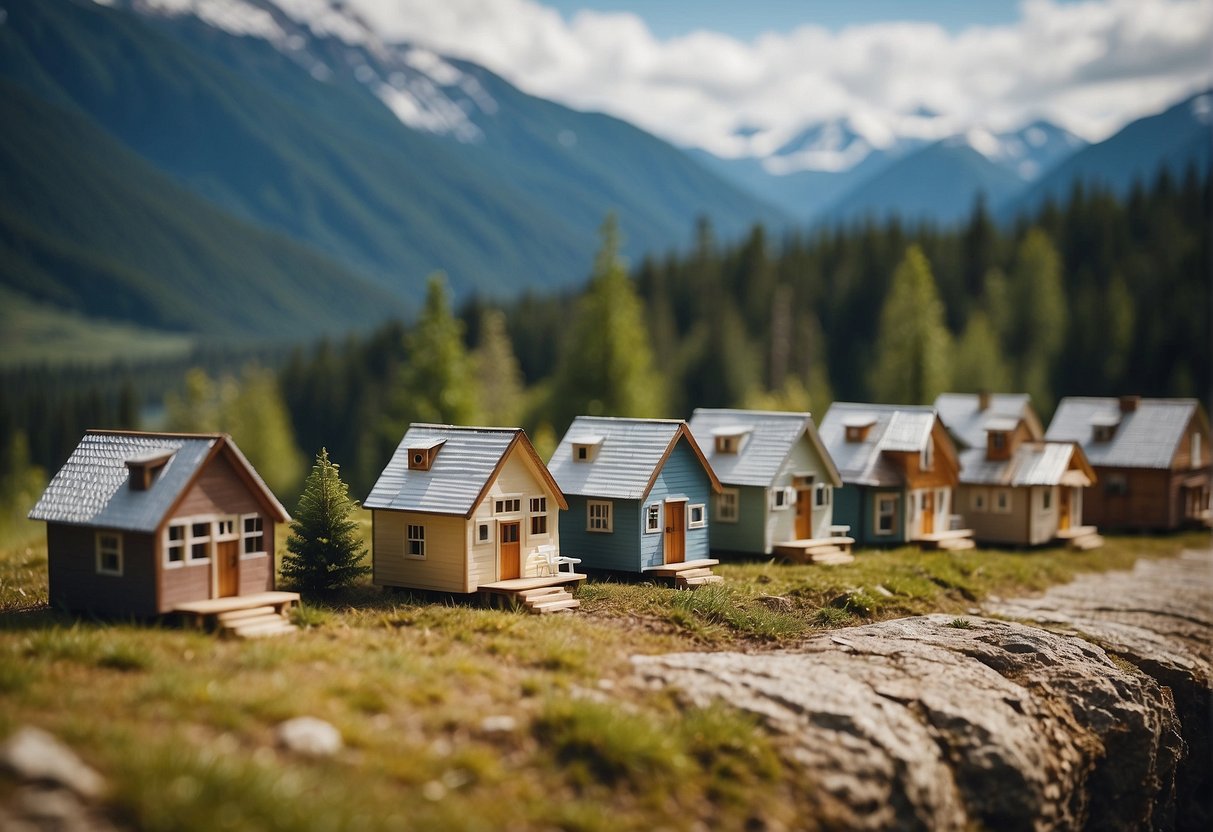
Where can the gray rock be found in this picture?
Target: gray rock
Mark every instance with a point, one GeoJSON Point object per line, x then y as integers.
{"type": "Point", "coordinates": [309, 735]}
{"type": "Point", "coordinates": [32, 755]}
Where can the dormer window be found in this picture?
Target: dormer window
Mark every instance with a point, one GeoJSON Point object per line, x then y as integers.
{"type": "Point", "coordinates": [998, 440]}
{"type": "Point", "coordinates": [857, 427]}
{"type": "Point", "coordinates": [728, 440]}
{"type": "Point", "coordinates": [421, 457]}
{"type": "Point", "coordinates": [585, 448]}
{"type": "Point", "coordinates": [1103, 428]}
{"type": "Point", "coordinates": [145, 467]}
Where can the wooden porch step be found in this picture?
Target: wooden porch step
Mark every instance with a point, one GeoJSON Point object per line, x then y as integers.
{"type": "Point", "coordinates": [281, 629]}
{"type": "Point", "coordinates": [694, 573]}
{"type": "Point", "coordinates": [1086, 542]}
{"type": "Point", "coordinates": [670, 570]}
{"type": "Point", "coordinates": [700, 580]}
{"type": "Point", "coordinates": [258, 626]}
{"type": "Point", "coordinates": [567, 605]}
{"type": "Point", "coordinates": [251, 612]}
{"type": "Point", "coordinates": [539, 592]}
{"type": "Point", "coordinates": [956, 544]}
{"type": "Point", "coordinates": [834, 558]}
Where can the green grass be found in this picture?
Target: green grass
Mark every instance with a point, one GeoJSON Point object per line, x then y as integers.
{"type": "Point", "coordinates": [182, 723]}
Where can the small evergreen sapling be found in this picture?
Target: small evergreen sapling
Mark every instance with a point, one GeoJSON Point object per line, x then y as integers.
{"type": "Point", "coordinates": [324, 551]}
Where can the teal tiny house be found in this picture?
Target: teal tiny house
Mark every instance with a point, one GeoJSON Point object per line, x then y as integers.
{"type": "Point", "coordinates": [638, 493]}
{"type": "Point", "coordinates": [777, 479]}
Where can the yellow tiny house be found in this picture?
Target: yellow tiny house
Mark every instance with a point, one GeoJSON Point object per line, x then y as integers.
{"type": "Point", "coordinates": [462, 509]}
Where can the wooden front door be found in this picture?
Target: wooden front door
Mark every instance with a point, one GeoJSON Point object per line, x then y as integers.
{"type": "Point", "coordinates": [511, 551]}
{"type": "Point", "coordinates": [228, 553]}
{"type": "Point", "coordinates": [804, 513]}
{"type": "Point", "coordinates": [1063, 510]}
{"type": "Point", "coordinates": [928, 512]}
{"type": "Point", "coordinates": [675, 532]}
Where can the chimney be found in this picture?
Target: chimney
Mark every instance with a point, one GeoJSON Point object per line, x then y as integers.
{"type": "Point", "coordinates": [1128, 404]}
{"type": "Point", "coordinates": [983, 400]}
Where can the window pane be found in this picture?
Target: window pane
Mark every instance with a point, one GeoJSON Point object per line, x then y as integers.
{"type": "Point", "coordinates": [201, 530]}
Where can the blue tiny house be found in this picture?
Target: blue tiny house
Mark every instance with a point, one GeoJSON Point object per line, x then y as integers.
{"type": "Point", "coordinates": [777, 479]}
{"type": "Point", "coordinates": [639, 493]}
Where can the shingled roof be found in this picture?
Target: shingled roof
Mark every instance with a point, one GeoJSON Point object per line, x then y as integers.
{"type": "Point", "coordinates": [629, 456]}
{"type": "Point", "coordinates": [963, 416]}
{"type": "Point", "coordinates": [1033, 463]}
{"type": "Point", "coordinates": [462, 470]}
{"type": "Point", "coordinates": [902, 428]}
{"type": "Point", "coordinates": [769, 437]}
{"type": "Point", "coordinates": [1145, 436]}
{"type": "Point", "coordinates": [92, 487]}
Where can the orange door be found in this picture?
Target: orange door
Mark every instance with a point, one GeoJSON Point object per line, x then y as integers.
{"type": "Point", "coordinates": [511, 551]}
{"type": "Point", "coordinates": [804, 513]}
{"type": "Point", "coordinates": [928, 512]}
{"type": "Point", "coordinates": [1063, 510]}
{"type": "Point", "coordinates": [675, 532]}
{"type": "Point", "coordinates": [228, 553]}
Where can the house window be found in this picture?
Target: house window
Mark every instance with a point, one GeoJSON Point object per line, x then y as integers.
{"type": "Point", "coordinates": [583, 453]}
{"type": "Point", "coordinates": [225, 528]}
{"type": "Point", "coordinates": [652, 518]}
{"type": "Point", "coordinates": [539, 505]}
{"type": "Point", "coordinates": [1002, 501]}
{"type": "Point", "coordinates": [727, 444]}
{"type": "Point", "coordinates": [109, 553]}
{"type": "Point", "coordinates": [1194, 451]}
{"type": "Point", "coordinates": [200, 536]}
{"type": "Point", "coordinates": [727, 505]}
{"type": "Point", "coordinates": [1046, 499]}
{"type": "Point", "coordinates": [927, 458]}
{"type": "Point", "coordinates": [484, 534]}
{"type": "Point", "coordinates": [416, 541]}
{"type": "Point", "coordinates": [886, 513]}
{"type": "Point", "coordinates": [509, 505]}
{"type": "Point", "coordinates": [174, 545]}
{"type": "Point", "coordinates": [598, 516]}
{"type": "Point", "coordinates": [252, 533]}
{"type": "Point", "coordinates": [977, 499]}
{"type": "Point", "coordinates": [1104, 433]}
{"type": "Point", "coordinates": [998, 440]}
{"type": "Point", "coordinates": [695, 516]}
{"type": "Point", "coordinates": [779, 498]}
{"type": "Point", "coordinates": [539, 517]}
{"type": "Point", "coordinates": [823, 496]}
{"type": "Point", "coordinates": [1116, 485]}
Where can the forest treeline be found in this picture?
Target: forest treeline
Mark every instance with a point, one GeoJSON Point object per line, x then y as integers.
{"type": "Point", "coordinates": [1096, 296]}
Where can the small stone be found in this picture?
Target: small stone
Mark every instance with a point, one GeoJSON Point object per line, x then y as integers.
{"type": "Point", "coordinates": [309, 735]}
{"type": "Point", "coordinates": [880, 589]}
{"type": "Point", "coordinates": [502, 724]}
{"type": "Point", "coordinates": [34, 755]}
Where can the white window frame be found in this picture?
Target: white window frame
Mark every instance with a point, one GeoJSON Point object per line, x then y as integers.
{"type": "Point", "coordinates": [246, 535]}
{"type": "Point", "coordinates": [996, 503]}
{"type": "Point", "coordinates": [507, 511]}
{"type": "Point", "coordinates": [979, 499]}
{"type": "Point", "coordinates": [167, 544]}
{"type": "Point", "coordinates": [881, 501]}
{"type": "Point", "coordinates": [116, 550]}
{"type": "Point", "coordinates": [604, 523]}
{"type": "Point", "coordinates": [485, 525]}
{"type": "Point", "coordinates": [652, 518]}
{"type": "Point", "coordinates": [780, 498]}
{"type": "Point", "coordinates": [232, 534]}
{"type": "Point", "coordinates": [201, 539]}
{"type": "Point", "coordinates": [414, 533]}
{"type": "Point", "coordinates": [823, 495]}
{"type": "Point", "coordinates": [692, 523]}
{"type": "Point", "coordinates": [1046, 498]}
{"type": "Point", "coordinates": [728, 505]}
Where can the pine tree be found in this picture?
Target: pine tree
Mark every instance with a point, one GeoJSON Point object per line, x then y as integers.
{"type": "Point", "coordinates": [979, 363]}
{"type": "Point", "coordinates": [913, 362]}
{"type": "Point", "coordinates": [324, 550]}
{"type": "Point", "coordinates": [1039, 303]}
{"type": "Point", "coordinates": [497, 371]}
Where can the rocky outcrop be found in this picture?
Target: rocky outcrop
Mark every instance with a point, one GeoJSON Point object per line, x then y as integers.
{"type": "Point", "coordinates": [935, 722]}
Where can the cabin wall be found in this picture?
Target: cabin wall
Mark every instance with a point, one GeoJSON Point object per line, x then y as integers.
{"type": "Point", "coordinates": [1149, 501]}
{"type": "Point", "coordinates": [855, 506]}
{"type": "Point", "coordinates": [618, 550]}
{"type": "Point", "coordinates": [518, 478]}
{"type": "Point", "coordinates": [682, 476]}
{"type": "Point", "coordinates": [76, 585]}
{"type": "Point", "coordinates": [803, 461]}
{"type": "Point", "coordinates": [1020, 526]}
{"type": "Point", "coordinates": [218, 490]}
{"type": "Point", "coordinates": [441, 570]}
{"type": "Point", "coordinates": [747, 535]}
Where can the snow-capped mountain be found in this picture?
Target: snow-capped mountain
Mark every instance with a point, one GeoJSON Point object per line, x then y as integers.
{"type": "Point", "coordinates": [1027, 152]}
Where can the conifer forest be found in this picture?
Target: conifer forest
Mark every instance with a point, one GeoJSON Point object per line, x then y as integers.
{"type": "Point", "coordinates": [1094, 296]}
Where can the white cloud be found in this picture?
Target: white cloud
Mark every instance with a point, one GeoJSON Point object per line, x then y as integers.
{"type": "Point", "coordinates": [1090, 66]}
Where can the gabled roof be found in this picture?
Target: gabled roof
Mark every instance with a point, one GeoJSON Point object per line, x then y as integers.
{"type": "Point", "coordinates": [629, 459]}
{"type": "Point", "coordinates": [461, 473]}
{"type": "Point", "coordinates": [1033, 463]}
{"type": "Point", "coordinates": [92, 487]}
{"type": "Point", "coordinates": [902, 428]}
{"type": "Point", "coordinates": [1146, 437]}
{"type": "Point", "coordinates": [770, 438]}
{"type": "Point", "coordinates": [962, 415]}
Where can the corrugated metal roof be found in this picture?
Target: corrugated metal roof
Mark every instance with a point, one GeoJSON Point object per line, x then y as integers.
{"type": "Point", "coordinates": [91, 488]}
{"type": "Point", "coordinates": [896, 428]}
{"type": "Point", "coordinates": [630, 452]}
{"type": "Point", "coordinates": [1147, 437]}
{"type": "Point", "coordinates": [458, 475]}
{"type": "Point", "coordinates": [960, 414]}
{"type": "Point", "coordinates": [1033, 463]}
{"type": "Point", "coordinates": [771, 437]}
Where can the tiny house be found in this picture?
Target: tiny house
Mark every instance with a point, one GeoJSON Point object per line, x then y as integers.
{"type": "Point", "coordinates": [899, 470]}
{"type": "Point", "coordinates": [638, 492]}
{"type": "Point", "coordinates": [461, 509]}
{"type": "Point", "coordinates": [140, 523]}
{"type": "Point", "coordinates": [1015, 488]}
{"type": "Point", "coordinates": [777, 480]}
{"type": "Point", "coordinates": [1151, 456]}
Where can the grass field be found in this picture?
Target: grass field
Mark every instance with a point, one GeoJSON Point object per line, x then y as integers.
{"type": "Point", "coordinates": [182, 723]}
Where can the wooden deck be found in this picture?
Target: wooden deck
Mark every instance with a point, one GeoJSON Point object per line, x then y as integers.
{"type": "Point", "coordinates": [540, 595]}
{"type": "Point", "coordinates": [688, 574]}
{"type": "Point", "coordinates": [954, 539]}
{"type": "Point", "coordinates": [823, 550]}
{"type": "Point", "coordinates": [243, 616]}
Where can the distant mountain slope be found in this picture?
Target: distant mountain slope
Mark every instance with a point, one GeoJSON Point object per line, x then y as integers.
{"type": "Point", "coordinates": [359, 150]}
{"type": "Point", "coordinates": [1178, 137]}
{"type": "Point", "coordinates": [87, 226]}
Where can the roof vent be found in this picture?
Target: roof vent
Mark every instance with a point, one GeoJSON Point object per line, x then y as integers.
{"type": "Point", "coordinates": [585, 448]}
{"type": "Point", "coordinates": [1128, 404]}
{"type": "Point", "coordinates": [422, 455]}
{"type": "Point", "coordinates": [146, 466]}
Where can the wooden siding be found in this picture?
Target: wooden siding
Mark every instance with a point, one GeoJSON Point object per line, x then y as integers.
{"type": "Point", "coordinates": [1150, 500]}
{"type": "Point", "coordinates": [1183, 453]}
{"type": "Point", "coordinates": [855, 506]}
{"type": "Point", "coordinates": [682, 476]}
{"type": "Point", "coordinates": [617, 551]}
{"type": "Point", "coordinates": [1018, 527]}
{"type": "Point", "coordinates": [181, 584]}
{"type": "Point", "coordinates": [518, 477]}
{"type": "Point", "coordinates": [747, 535]}
{"type": "Point", "coordinates": [75, 584]}
{"type": "Point", "coordinates": [218, 490]}
{"type": "Point", "coordinates": [445, 551]}
{"type": "Point", "coordinates": [781, 525]}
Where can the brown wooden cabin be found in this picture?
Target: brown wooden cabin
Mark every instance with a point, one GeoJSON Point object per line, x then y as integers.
{"type": "Point", "coordinates": [137, 523]}
{"type": "Point", "coordinates": [1152, 458]}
